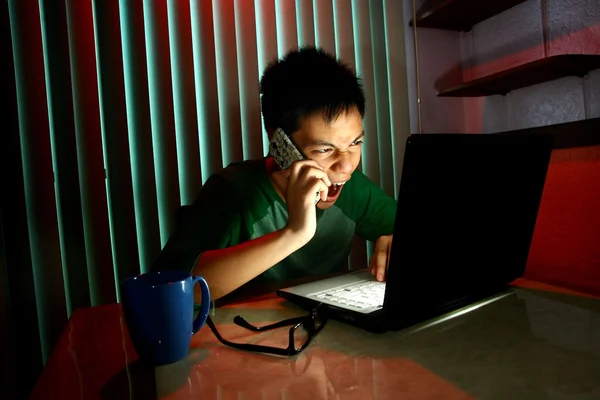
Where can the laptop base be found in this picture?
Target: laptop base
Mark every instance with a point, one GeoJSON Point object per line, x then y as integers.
{"type": "Point", "coordinates": [383, 321]}
{"type": "Point", "coordinates": [372, 322]}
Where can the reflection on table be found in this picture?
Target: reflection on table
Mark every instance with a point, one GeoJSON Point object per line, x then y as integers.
{"type": "Point", "coordinates": [526, 344]}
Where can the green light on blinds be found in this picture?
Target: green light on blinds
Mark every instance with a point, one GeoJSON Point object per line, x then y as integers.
{"type": "Point", "coordinates": [197, 52]}
{"type": "Point", "coordinates": [178, 107]}
{"type": "Point", "coordinates": [54, 164]}
{"type": "Point", "coordinates": [356, 36]}
{"type": "Point", "coordinates": [336, 39]}
{"type": "Point", "coordinates": [261, 52]}
{"type": "Point", "coordinates": [376, 92]}
{"type": "Point", "coordinates": [157, 122]}
{"type": "Point", "coordinates": [316, 20]}
{"type": "Point", "coordinates": [299, 22]}
{"type": "Point", "coordinates": [132, 106]}
{"type": "Point", "coordinates": [279, 29]}
{"type": "Point", "coordinates": [109, 204]}
{"type": "Point", "coordinates": [390, 101]}
{"type": "Point", "coordinates": [219, 12]}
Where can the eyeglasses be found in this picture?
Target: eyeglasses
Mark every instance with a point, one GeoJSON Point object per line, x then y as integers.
{"type": "Point", "coordinates": [302, 331]}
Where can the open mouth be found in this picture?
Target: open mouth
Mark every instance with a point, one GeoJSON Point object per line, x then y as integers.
{"type": "Point", "coordinates": [334, 191]}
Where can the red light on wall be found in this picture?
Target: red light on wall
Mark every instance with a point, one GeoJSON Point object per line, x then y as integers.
{"type": "Point", "coordinates": [566, 244]}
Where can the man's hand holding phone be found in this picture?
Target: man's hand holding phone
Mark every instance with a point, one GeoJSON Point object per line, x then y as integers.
{"type": "Point", "coordinates": [305, 179]}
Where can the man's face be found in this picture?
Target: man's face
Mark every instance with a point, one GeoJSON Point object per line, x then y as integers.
{"type": "Point", "coordinates": [335, 146]}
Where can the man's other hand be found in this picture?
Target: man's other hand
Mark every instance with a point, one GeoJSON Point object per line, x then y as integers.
{"type": "Point", "coordinates": [381, 257]}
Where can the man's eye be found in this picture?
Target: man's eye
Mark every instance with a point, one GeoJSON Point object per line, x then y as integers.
{"type": "Point", "coordinates": [323, 151]}
{"type": "Point", "coordinates": [357, 142]}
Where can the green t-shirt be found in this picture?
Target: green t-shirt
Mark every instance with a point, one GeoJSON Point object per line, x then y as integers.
{"type": "Point", "coordinates": [240, 203]}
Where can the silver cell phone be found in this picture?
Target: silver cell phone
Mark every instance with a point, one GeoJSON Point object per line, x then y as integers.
{"type": "Point", "coordinates": [285, 152]}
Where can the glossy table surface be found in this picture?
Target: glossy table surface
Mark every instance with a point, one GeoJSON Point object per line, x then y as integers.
{"type": "Point", "coordinates": [532, 342]}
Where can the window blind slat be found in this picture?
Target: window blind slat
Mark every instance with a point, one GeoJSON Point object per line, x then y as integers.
{"type": "Point", "coordinates": [247, 66]}
{"type": "Point", "coordinates": [364, 68]}
{"type": "Point", "coordinates": [90, 163]}
{"type": "Point", "coordinates": [162, 122]}
{"type": "Point", "coordinates": [38, 176]}
{"type": "Point", "coordinates": [64, 152]}
{"type": "Point", "coordinates": [184, 100]}
{"type": "Point", "coordinates": [285, 21]}
{"type": "Point", "coordinates": [139, 130]}
{"type": "Point", "coordinates": [115, 144]}
{"type": "Point", "coordinates": [266, 43]}
{"type": "Point", "coordinates": [344, 32]}
{"type": "Point", "coordinates": [397, 85]}
{"type": "Point", "coordinates": [381, 98]}
{"type": "Point", "coordinates": [227, 81]}
{"type": "Point", "coordinates": [305, 21]}
{"type": "Point", "coordinates": [324, 29]}
{"type": "Point", "coordinates": [24, 352]}
{"type": "Point", "coordinates": [205, 72]}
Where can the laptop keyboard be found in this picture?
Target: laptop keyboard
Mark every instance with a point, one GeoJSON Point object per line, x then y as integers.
{"type": "Point", "coordinates": [361, 295]}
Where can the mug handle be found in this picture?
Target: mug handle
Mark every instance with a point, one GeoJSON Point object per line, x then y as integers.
{"type": "Point", "coordinates": [205, 306]}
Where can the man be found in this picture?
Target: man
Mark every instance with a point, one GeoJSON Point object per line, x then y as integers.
{"type": "Point", "coordinates": [255, 222]}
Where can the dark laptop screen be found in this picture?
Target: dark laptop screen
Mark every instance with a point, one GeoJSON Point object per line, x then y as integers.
{"type": "Point", "coordinates": [467, 208]}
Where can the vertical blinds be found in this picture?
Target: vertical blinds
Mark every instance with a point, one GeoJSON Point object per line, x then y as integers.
{"type": "Point", "coordinates": [120, 110]}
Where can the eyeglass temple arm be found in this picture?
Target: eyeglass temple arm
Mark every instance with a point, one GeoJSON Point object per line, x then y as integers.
{"type": "Point", "coordinates": [246, 346]}
{"type": "Point", "coordinates": [240, 321]}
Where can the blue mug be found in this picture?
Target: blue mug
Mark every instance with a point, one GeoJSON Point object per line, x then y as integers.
{"type": "Point", "coordinates": [159, 312]}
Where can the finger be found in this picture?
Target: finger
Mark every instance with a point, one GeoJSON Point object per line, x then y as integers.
{"type": "Point", "coordinates": [373, 260]}
{"type": "Point", "coordinates": [311, 163]}
{"type": "Point", "coordinates": [325, 179]}
{"type": "Point", "coordinates": [314, 173]}
{"type": "Point", "coordinates": [294, 171]}
{"type": "Point", "coordinates": [297, 167]}
{"type": "Point", "coordinates": [373, 265]}
{"type": "Point", "coordinates": [324, 192]}
{"type": "Point", "coordinates": [321, 187]}
{"type": "Point", "coordinates": [380, 264]}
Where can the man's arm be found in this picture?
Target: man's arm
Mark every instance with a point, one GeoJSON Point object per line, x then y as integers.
{"type": "Point", "coordinates": [226, 268]}
{"type": "Point", "coordinates": [207, 241]}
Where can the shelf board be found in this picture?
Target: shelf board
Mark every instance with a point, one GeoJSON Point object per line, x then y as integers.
{"type": "Point", "coordinates": [459, 15]}
{"type": "Point", "coordinates": [567, 135]}
{"type": "Point", "coordinates": [543, 70]}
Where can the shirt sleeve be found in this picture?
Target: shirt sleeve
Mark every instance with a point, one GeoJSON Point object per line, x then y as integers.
{"type": "Point", "coordinates": [375, 209]}
{"type": "Point", "coordinates": [208, 224]}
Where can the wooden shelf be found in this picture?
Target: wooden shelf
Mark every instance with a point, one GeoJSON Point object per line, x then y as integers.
{"type": "Point", "coordinates": [543, 70]}
{"type": "Point", "coordinates": [567, 135]}
{"type": "Point", "coordinates": [459, 15]}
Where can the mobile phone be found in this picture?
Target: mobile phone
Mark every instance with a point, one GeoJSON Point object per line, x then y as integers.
{"type": "Point", "coordinates": [285, 152]}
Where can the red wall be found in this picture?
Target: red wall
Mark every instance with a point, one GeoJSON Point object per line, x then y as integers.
{"type": "Point", "coordinates": [566, 245]}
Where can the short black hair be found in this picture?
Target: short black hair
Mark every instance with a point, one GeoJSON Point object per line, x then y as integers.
{"type": "Point", "coordinates": [307, 81]}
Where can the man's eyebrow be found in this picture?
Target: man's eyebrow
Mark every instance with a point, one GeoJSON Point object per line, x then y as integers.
{"type": "Point", "coordinates": [324, 143]}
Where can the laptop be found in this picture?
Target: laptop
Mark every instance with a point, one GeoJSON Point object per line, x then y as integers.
{"type": "Point", "coordinates": [467, 208]}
